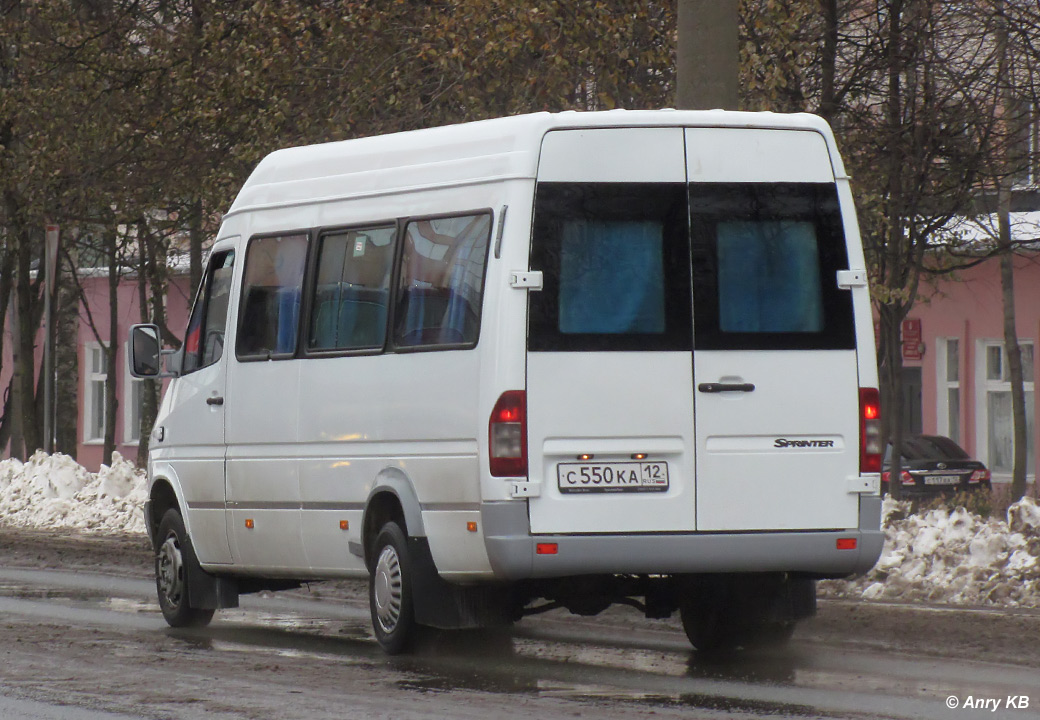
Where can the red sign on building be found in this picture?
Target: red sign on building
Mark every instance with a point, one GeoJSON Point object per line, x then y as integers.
{"type": "Point", "coordinates": [913, 347]}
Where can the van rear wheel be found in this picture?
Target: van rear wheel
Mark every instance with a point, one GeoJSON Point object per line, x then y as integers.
{"type": "Point", "coordinates": [390, 591]}
{"type": "Point", "coordinates": [174, 560]}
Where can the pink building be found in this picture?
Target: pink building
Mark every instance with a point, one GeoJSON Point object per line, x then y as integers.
{"type": "Point", "coordinates": [956, 373]}
{"type": "Point", "coordinates": [93, 375]}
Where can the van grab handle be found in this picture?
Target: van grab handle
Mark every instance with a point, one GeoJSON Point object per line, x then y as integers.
{"type": "Point", "coordinates": [725, 387]}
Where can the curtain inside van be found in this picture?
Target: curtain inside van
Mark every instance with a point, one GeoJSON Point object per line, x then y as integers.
{"type": "Point", "coordinates": [612, 277]}
{"type": "Point", "coordinates": [769, 277]}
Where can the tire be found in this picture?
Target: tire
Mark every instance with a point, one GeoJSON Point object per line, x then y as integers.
{"type": "Point", "coordinates": [722, 617]}
{"type": "Point", "coordinates": [390, 591]}
{"type": "Point", "coordinates": [174, 560]}
{"type": "Point", "coordinates": [710, 627]}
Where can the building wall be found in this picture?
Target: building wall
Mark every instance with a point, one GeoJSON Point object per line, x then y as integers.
{"type": "Point", "coordinates": [90, 450]}
{"type": "Point", "coordinates": [967, 308]}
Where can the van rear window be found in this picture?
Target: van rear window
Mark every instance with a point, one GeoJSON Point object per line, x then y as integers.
{"type": "Point", "coordinates": [615, 267]}
{"type": "Point", "coordinates": [765, 263]}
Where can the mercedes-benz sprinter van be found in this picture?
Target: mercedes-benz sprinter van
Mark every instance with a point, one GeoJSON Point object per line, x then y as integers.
{"type": "Point", "coordinates": [553, 360]}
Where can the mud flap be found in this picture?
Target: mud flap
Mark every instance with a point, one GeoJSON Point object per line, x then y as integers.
{"type": "Point", "coordinates": [209, 592]}
{"type": "Point", "coordinates": [440, 604]}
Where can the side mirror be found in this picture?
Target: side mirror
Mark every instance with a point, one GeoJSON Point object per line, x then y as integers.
{"type": "Point", "coordinates": [145, 351]}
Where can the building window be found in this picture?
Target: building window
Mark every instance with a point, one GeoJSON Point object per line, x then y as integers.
{"type": "Point", "coordinates": [95, 379]}
{"type": "Point", "coordinates": [133, 401]}
{"type": "Point", "coordinates": [948, 393]}
{"type": "Point", "coordinates": [996, 429]}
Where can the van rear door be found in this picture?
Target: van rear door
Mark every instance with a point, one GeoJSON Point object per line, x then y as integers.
{"type": "Point", "coordinates": [609, 374]}
{"type": "Point", "coordinates": [775, 366]}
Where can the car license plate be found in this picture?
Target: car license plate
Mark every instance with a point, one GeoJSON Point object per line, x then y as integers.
{"type": "Point", "coordinates": [616, 477]}
{"type": "Point", "coordinates": [942, 479]}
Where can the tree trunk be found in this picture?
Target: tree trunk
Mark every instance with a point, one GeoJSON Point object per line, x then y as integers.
{"type": "Point", "coordinates": [149, 398]}
{"type": "Point", "coordinates": [195, 238]}
{"type": "Point", "coordinates": [24, 352]}
{"type": "Point", "coordinates": [829, 60]}
{"type": "Point", "coordinates": [891, 318]}
{"type": "Point", "coordinates": [1012, 349]}
{"type": "Point", "coordinates": [111, 348]}
{"type": "Point", "coordinates": [66, 367]}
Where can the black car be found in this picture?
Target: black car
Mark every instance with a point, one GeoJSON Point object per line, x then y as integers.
{"type": "Point", "coordinates": [934, 465]}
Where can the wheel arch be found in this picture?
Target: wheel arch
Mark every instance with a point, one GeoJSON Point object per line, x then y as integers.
{"type": "Point", "coordinates": [392, 498]}
{"type": "Point", "coordinates": [164, 494]}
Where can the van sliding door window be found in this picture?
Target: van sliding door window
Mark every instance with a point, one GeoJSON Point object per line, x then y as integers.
{"type": "Point", "coordinates": [615, 264]}
{"type": "Point", "coordinates": [204, 341]}
{"type": "Point", "coordinates": [270, 306]}
{"type": "Point", "coordinates": [765, 263]}
{"type": "Point", "coordinates": [441, 282]}
{"type": "Point", "coordinates": [352, 289]}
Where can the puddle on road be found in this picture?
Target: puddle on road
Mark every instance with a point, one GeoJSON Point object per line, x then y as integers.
{"type": "Point", "coordinates": [604, 674]}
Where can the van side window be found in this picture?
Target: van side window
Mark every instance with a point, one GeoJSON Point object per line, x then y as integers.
{"type": "Point", "coordinates": [271, 290]}
{"type": "Point", "coordinates": [615, 265]}
{"type": "Point", "coordinates": [204, 341]}
{"type": "Point", "coordinates": [352, 289]}
{"type": "Point", "coordinates": [766, 257]}
{"type": "Point", "coordinates": [442, 281]}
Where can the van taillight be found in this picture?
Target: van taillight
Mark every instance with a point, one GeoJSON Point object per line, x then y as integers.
{"type": "Point", "coordinates": [507, 435]}
{"type": "Point", "coordinates": [869, 430]}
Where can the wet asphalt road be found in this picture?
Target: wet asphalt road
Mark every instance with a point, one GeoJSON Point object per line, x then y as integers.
{"type": "Point", "coordinates": [81, 646]}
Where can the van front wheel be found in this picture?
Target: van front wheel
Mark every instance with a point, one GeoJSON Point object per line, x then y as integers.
{"type": "Point", "coordinates": [173, 558]}
{"type": "Point", "coordinates": [390, 591]}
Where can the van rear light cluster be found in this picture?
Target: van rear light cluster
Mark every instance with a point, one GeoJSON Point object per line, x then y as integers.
{"type": "Point", "coordinates": [507, 435]}
{"type": "Point", "coordinates": [869, 430]}
{"type": "Point", "coordinates": [979, 476]}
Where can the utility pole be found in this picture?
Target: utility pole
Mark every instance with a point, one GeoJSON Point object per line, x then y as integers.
{"type": "Point", "coordinates": [708, 55]}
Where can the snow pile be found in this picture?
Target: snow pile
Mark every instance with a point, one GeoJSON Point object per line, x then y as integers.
{"type": "Point", "coordinates": [953, 556]}
{"type": "Point", "coordinates": [53, 491]}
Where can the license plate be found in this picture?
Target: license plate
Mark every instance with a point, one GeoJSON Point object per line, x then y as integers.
{"type": "Point", "coordinates": [616, 477]}
{"type": "Point", "coordinates": [942, 479]}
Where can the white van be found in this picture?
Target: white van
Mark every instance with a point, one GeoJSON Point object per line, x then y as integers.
{"type": "Point", "coordinates": [553, 360]}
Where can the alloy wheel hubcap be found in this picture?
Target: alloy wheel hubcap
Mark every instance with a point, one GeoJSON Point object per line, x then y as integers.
{"type": "Point", "coordinates": [170, 571]}
{"type": "Point", "coordinates": [388, 589]}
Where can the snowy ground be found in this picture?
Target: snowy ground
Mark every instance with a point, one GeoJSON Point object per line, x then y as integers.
{"type": "Point", "coordinates": [938, 556]}
{"type": "Point", "coordinates": [53, 491]}
{"type": "Point", "coordinates": [955, 557]}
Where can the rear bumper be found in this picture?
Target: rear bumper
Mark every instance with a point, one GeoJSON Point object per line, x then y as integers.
{"type": "Point", "coordinates": [512, 549]}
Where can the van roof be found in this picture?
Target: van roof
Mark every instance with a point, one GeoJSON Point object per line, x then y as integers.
{"type": "Point", "coordinates": [483, 151]}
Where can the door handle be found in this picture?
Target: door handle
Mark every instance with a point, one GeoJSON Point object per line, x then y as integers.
{"type": "Point", "coordinates": [215, 400]}
{"type": "Point", "coordinates": [726, 387]}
